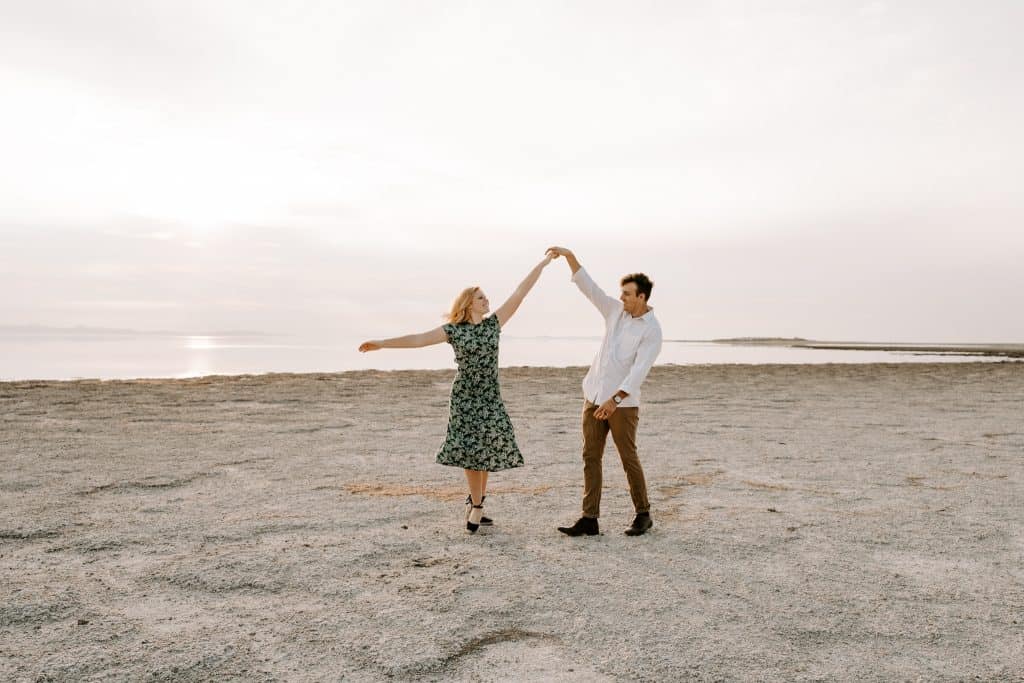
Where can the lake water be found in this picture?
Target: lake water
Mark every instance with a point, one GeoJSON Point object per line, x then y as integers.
{"type": "Point", "coordinates": [117, 356]}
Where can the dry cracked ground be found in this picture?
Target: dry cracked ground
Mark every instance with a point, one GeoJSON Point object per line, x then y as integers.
{"type": "Point", "coordinates": [835, 522]}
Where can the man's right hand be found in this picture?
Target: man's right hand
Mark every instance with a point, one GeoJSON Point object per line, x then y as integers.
{"type": "Point", "coordinates": [570, 258]}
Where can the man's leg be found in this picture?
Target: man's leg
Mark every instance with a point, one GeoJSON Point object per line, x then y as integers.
{"type": "Point", "coordinates": [595, 433]}
{"type": "Point", "coordinates": [623, 423]}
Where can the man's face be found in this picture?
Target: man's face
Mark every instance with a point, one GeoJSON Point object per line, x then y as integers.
{"type": "Point", "coordinates": [631, 302]}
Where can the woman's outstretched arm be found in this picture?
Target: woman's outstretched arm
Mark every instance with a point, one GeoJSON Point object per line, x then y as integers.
{"type": "Point", "coordinates": [508, 309]}
{"type": "Point", "coordinates": [409, 341]}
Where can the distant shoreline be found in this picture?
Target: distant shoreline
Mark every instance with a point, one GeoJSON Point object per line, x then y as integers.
{"type": "Point", "coordinates": [1004, 350]}
{"type": "Point", "coordinates": [441, 374]}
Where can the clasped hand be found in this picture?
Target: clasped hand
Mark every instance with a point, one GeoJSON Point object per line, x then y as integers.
{"type": "Point", "coordinates": [605, 410]}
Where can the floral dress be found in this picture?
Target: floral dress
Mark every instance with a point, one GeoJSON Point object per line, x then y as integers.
{"type": "Point", "coordinates": [480, 434]}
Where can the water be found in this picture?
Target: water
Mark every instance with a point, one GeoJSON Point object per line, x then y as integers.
{"type": "Point", "coordinates": [120, 356]}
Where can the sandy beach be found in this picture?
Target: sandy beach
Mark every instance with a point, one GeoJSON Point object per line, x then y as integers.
{"type": "Point", "coordinates": [812, 523]}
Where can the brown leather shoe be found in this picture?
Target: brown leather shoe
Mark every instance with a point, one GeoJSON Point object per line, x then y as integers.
{"type": "Point", "coordinates": [641, 523]}
{"type": "Point", "coordinates": [584, 526]}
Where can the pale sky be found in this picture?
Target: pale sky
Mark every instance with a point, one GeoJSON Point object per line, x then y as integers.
{"type": "Point", "coordinates": [828, 169]}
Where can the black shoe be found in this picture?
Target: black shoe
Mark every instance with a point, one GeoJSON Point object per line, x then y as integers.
{"type": "Point", "coordinates": [641, 523]}
{"type": "Point", "coordinates": [471, 526]}
{"type": "Point", "coordinates": [583, 526]}
{"type": "Point", "coordinates": [484, 521]}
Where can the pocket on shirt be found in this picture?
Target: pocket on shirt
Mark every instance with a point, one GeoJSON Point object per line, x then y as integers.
{"type": "Point", "coordinates": [627, 345]}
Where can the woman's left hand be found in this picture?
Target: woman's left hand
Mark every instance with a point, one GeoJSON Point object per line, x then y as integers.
{"type": "Point", "coordinates": [369, 346]}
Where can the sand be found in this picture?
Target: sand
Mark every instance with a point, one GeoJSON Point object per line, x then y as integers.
{"type": "Point", "coordinates": [812, 522]}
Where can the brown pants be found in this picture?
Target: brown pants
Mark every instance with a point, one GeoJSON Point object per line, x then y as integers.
{"type": "Point", "coordinates": [622, 424]}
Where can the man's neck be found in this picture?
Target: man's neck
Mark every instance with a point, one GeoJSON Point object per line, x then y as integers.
{"type": "Point", "coordinates": [642, 313]}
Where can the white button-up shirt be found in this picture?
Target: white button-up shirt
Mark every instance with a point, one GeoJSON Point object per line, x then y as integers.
{"type": "Point", "coordinates": [628, 350]}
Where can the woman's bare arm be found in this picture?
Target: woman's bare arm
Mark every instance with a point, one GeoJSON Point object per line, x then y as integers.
{"type": "Point", "coordinates": [409, 341]}
{"type": "Point", "coordinates": [508, 309]}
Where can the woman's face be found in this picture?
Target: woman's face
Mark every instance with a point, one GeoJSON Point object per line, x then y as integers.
{"type": "Point", "coordinates": [480, 303]}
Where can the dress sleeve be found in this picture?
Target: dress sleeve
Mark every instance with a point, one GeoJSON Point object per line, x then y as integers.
{"type": "Point", "coordinates": [449, 329]}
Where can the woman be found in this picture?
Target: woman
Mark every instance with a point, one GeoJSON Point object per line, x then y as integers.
{"type": "Point", "coordinates": [480, 437]}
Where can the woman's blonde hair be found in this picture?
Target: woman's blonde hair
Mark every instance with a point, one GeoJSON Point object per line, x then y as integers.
{"type": "Point", "coordinates": [460, 307]}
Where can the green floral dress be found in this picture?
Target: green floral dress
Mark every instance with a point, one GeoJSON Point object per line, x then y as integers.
{"type": "Point", "coordinates": [480, 434]}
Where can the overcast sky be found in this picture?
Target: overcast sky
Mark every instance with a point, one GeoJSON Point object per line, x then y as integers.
{"type": "Point", "coordinates": [828, 169]}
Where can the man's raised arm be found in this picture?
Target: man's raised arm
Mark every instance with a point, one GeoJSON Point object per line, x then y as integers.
{"type": "Point", "coordinates": [604, 303]}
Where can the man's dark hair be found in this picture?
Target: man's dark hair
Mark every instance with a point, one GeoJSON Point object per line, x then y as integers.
{"type": "Point", "coordinates": [643, 284]}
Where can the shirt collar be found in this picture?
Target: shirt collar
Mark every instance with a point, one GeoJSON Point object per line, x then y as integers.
{"type": "Point", "coordinates": [649, 313]}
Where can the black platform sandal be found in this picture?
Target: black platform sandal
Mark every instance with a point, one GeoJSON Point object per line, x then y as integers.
{"type": "Point", "coordinates": [475, 513]}
{"type": "Point", "coordinates": [484, 521]}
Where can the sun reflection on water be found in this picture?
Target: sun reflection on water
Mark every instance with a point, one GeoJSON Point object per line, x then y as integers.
{"type": "Point", "coordinates": [199, 361]}
{"type": "Point", "coordinates": [201, 342]}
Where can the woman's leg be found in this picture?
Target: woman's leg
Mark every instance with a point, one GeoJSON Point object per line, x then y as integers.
{"type": "Point", "coordinates": [476, 481]}
{"type": "Point", "coordinates": [482, 476]}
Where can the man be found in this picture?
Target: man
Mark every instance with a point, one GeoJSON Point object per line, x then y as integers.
{"type": "Point", "coordinates": [611, 389]}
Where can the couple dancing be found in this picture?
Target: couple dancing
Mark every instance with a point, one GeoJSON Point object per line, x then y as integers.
{"type": "Point", "coordinates": [480, 437]}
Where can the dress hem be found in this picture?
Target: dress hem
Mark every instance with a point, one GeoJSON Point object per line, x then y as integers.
{"type": "Point", "coordinates": [463, 467]}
